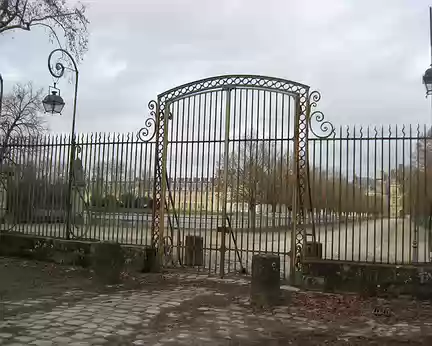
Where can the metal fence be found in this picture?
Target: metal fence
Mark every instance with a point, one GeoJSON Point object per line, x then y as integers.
{"type": "Point", "coordinates": [370, 193]}
{"type": "Point", "coordinates": [111, 194]}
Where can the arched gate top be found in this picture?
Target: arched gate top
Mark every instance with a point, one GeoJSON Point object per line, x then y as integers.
{"type": "Point", "coordinates": [226, 81]}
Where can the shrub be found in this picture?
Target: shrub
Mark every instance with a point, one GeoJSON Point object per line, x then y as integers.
{"type": "Point", "coordinates": [27, 195]}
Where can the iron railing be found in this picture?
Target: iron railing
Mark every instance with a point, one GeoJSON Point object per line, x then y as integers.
{"type": "Point", "coordinates": [370, 189]}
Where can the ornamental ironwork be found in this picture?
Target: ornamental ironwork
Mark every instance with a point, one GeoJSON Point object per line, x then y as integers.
{"type": "Point", "coordinates": [304, 117]}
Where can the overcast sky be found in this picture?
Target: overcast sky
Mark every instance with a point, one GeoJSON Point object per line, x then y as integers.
{"type": "Point", "coordinates": [366, 57]}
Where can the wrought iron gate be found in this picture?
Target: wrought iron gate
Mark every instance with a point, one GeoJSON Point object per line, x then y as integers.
{"type": "Point", "coordinates": [231, 155]}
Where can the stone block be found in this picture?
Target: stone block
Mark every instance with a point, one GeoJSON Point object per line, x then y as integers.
{"type": "Point", "coordinates": [12, 244]}
{"type": "Point", "coordinates": [108, 262]}
{"type": "Point", "coordinates": [312, 250]}
{"type": "Point", "coordinates": [265, 284]}
{"type": "Point", "coordinates": [151, 260]}
{"type": "Point", "coordinates": [194, 251]}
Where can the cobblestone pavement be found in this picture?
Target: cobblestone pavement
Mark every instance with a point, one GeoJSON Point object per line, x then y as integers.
{"type": "Point", "coordinates": [185, 309]}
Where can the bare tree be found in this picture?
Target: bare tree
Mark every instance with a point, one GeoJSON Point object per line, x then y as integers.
{"type": "Point", "coordinates": [252, 175]}
{"type": "Point", "coordinates": [55, 15]}
{"type": "Point", "coordinates": [418, 183]}
{"type": "Point", "coordinates": [20, 119]}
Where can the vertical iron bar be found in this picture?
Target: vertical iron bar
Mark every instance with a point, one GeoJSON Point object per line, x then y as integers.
{"type": "Point", "coordinates": [205, 145]}
{"type": "Point", "coordinates": [361, 196]}
{"type": "Point", "coordinates": [383, 195]}
{"type": "Point", "coordinates": [322, 205]}
{"type": "Point", "coordinates": [354, 210]}
{"type": "Point", "coordinates": [388, 188]}
{"type": "Point", "coordinates": [231, 226]}
{"type": "Point", "coordinates": [411, 191]}
{"type": "Point", "coordinates": [191, 112]}
{"type": "Point", "coordinates": [255, 171]}
{"type": "Point", "coordinates": [182, 175]}
{"type": "Point", "coordinates": [425, 209]}
{"type": "Point", "coordinates": [340, 195]}
{"type": "Point", "coordinates": [283, 174]}
{"type": "Point", "coordinates": [396, 182]}
{"type": "Point", "coordinates": [198, 141]}
{"type": "Point", "coordinates": [104, 187]}
{"type": "Point", "coordinates": [368, 190]}
{"type": "Point", "coordinates": [95, 181]}
{"type": "Point", "coordinates": [347, 204]}
{"type": "Point", "coordinates": [376, 214]}
{"type": "Point", "coordinates": [326, 203]}
{"type": "Point", "coordinates": [404, 200]}
{"type": "Point", "coordinates": [209, 206]}
{"type": "Point", "coordinates": [215, 173]}
{"type": "Point", "coordinates": [333, 207]}
{"type": "Point", "coordinates": [37, 193]}
{"type": "Point", "coordinates": [418, 213]}
{"type": "Point", "coordinates": [237, 183]}
{"type": "Point", "coordinates": [147, 183]}
{"type": "Point", "coordinates": [54, 173]}
{"type": "Point", "coordinates": [225, 179]}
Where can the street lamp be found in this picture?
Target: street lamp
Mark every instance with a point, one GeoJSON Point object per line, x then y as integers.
{"type": "Point", "coordinates": [53, 103]}
{"type": "Point", "coordinates": [427, 81]}
{"type": "Point", "coordinates": [427, 77]}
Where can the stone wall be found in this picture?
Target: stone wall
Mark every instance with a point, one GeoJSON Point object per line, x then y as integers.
{"type": "Point", "coordinates": [68, 252]}
{"type": "Point", "coordinates": [370, 279]}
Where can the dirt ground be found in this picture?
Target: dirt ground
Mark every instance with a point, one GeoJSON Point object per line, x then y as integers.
{"type": "Point", "coordinates": [327, 318]}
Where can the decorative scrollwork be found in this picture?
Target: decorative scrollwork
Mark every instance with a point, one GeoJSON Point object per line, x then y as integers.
{"type": "Point", "coordinates": [57, 70]}
{"type": "Point", "coordinates": [148, 132]}
{"type": "Point", "coordinates": [314, 98]}
{"type": "Point", "coordinates": [326, 127]}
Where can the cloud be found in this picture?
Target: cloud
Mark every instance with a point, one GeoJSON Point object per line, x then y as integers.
{"type": "Point", "coordinates": [365, 57]}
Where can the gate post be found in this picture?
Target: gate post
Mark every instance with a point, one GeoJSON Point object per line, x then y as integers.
{"type": "Point", "coordinates": [295, 198]}
{"type": "Point", "coordinates": [162, 204]}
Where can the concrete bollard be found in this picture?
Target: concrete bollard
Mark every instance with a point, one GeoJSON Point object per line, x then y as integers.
{"type": "Point", "coordinates": [265, 285]}
{"type": "Point", "coordinates": [108, 262]}
{"type": "Point", "coordinates": [194, 251]}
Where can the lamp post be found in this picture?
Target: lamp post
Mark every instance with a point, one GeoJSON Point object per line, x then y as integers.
{"type": "Point", "coordinates": [53, 103]}
{"type": "Point", "coordinates": [1, 93]}
{"type": "Point", "coordinates": [427, 81]}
